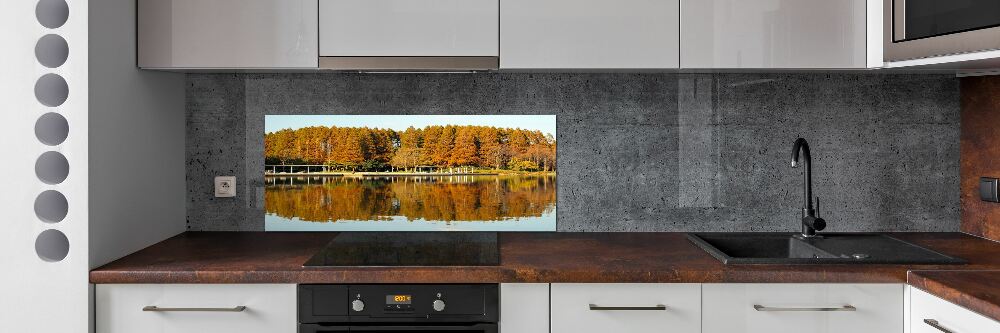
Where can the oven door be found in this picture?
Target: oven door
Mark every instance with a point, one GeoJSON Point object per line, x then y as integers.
{"type": "Point", "coordinates": [916, 29]}
{"type": "Point", "coordinates": [471, 328]}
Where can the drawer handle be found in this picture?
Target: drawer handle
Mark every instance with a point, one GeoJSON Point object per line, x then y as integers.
{"type": "Point", "coordinates": [935, 324]}
{"type": "Point", "coordinates": [159, 309]}
{"type": "Point", "coordinates": [595, 307]}
{"type": "Point", "coordinates": [769, 308]}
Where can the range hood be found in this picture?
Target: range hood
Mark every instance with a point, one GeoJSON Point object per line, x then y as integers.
{"type": "Point", "coordinates": [410, 64]}
{"type": "Point", "coordinates": [409, 35]}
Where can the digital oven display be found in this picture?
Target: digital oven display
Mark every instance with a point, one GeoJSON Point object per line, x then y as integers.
{"type": "Point", "coordinates": [398, 299]}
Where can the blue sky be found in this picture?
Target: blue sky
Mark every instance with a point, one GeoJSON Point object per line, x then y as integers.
{"type": "Point", "coordinates": [544, 123]}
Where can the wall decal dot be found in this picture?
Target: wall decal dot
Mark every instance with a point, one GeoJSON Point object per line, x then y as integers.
{"type": "Point", "coordinates": [51, 206]}
{"type": "Point", "coordinates": [52, 13]}
{"type": "Point", "coordinates": [51, 51]}
{"type": "Point", "coordinates": [52, 245]}
{"type": "Point", "coordinates": [51, 90]}
{"type": "Point", "coordinates": [51, 129]}
{"type": "Point", "coordinates": [52, 168]}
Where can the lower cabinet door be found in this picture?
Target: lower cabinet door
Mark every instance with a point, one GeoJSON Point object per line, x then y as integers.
{"type": "Point", "coordinates": [803, 308]}
{"type": "Point", "coordinates": [632, 308]}
{"type": "Point", "coordinates": [930, 314]}
{"type": "Point", "coordinates": [524, 307]}
{"type": "Point", "coordinates": [189, 308]}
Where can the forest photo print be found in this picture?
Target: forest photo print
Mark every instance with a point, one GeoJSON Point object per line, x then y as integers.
{"type": "Point", "coordinates": [410, 172]}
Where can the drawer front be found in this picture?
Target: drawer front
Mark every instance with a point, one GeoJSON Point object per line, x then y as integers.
{"type": "Point", "coordinates": [633, 308]}
{"type": "Point", "coordinates": [946, 315]}
{"type": "Point", "coordinates": [803, 308]}
{"type": "Point", "coordinates": [269, 308]}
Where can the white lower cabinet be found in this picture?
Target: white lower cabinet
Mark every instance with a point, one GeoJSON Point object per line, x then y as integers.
{"type": "Point", "coordinates": [188, 308]}
{"type": "Point", "coordinates": [627, 307]}
{"type": "Point", "coordinates": [524, 307]}
{"type": "Point", "coordinates": [930, 314]}
{"type": "Point", "coordinates": [803, 308]}
{"type": "Point", "coordinates": [569, 308]}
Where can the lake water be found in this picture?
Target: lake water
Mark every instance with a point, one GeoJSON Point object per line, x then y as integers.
{"type": "Point", "coordinates": [410, 203]}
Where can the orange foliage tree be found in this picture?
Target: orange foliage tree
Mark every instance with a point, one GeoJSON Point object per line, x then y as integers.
{"type": "Point", "coordinates": [374, 149]}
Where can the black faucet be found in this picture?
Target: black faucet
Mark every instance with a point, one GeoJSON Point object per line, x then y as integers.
{"type": "Point", "coordinates": [810, 221]}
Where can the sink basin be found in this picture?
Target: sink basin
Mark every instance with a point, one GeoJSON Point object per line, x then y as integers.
{"type": "Point", "coordinates": [837, 248]}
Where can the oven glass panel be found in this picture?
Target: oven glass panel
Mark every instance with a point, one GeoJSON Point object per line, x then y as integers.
{"type": "Point", "coordinates": [930, 18]}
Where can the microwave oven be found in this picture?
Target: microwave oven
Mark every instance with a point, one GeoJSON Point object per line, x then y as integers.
{"type": "Point", "coordinates": [915, 29]}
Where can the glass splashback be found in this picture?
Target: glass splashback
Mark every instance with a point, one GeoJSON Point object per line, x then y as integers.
{"type": "Point", "coordinates": [410, 173]}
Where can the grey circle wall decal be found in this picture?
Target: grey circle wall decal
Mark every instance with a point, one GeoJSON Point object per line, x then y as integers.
{"type": "Point", "coordinates": [51, 128]}
{"type": "Point", "coordinates": [52, 167]}
{"type": "Point", "coordinates": [52, 13]}
{"type": "Point", "coordinates": [51, 90]}
{"type": "Point", "coordinates": [52, 245]}
{"type": "Point", "coordinates": [51, 206]}
{"type": "Point", "coordinates": [51, 51]}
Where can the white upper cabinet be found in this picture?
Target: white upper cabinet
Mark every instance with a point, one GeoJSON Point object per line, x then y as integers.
{"type": "Point", "coordinates": [409, 28]}
{"type": "Point", "coordinates": [779, 34]}
{"type": "Point", "coordinates": [589, 34]}
{"type": "Point", "coordinates": [195, 34]}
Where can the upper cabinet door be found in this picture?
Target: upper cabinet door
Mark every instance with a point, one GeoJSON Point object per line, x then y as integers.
{"type": "Point", "coordinates": [414, 28]}
{"type": "Point", "coordinates": [589, 34]}
{"type": "Point", "coordinates": [774, 34]}
{"type": "Point", "coordinates": [178, 34]}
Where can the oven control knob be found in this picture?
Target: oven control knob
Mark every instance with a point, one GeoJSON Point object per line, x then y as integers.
{"type": "Point", "coordinates": [358, 305]}
{"type": "Point", "coordinates": [438, 305]}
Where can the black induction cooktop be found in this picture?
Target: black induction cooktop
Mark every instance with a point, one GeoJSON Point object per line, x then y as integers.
{"type": "Point", "coordinates": [409, 249]}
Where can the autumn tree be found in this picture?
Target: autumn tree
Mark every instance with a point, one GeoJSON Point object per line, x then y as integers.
{"type": "Point", "coordinates": [409, 152]}
{"type": "Point", "coordinates": [353, 150]}
{"type": "Point", "coordinates": [492, 150]}
{"type": "Point", "coordinates": [431, 137]}
{"type": "Point", "coordinates": [465, 151]}
{"type": "Point", "coordinates": [442, 148]}
{"type": "Point", "coordinates": [374, 149]}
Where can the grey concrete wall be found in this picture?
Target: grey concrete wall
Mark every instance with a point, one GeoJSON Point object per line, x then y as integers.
{"type": "Point", "coordinates": [637, 152]}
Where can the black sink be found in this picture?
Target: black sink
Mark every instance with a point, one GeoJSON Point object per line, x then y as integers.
{"type": "Point", "coordinates": [834, 248]}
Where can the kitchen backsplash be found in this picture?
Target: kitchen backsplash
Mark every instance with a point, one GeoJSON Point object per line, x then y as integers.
{"type": "Point", "coordinates": [980, 146]}
{"type": "Point", "coordinates": [637, 152]}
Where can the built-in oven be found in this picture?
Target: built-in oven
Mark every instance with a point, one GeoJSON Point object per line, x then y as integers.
{"type": "Point", "coordinates": [378, 308]}
{"type": "Point", "coordinates": [916, 29]}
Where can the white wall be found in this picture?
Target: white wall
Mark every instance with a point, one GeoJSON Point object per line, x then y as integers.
{"type": "Point", "coordinates": [136, 141]}
{"type": "Point", "coordinates": [138, 131]}
{"type": "Point", "coordinates": [38, 295]}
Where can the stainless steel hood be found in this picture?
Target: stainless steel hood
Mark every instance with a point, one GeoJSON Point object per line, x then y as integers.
{"type": "Point", "coordinates": [409, 64]}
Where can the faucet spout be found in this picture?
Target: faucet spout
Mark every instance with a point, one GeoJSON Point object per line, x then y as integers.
{"type": "Point", "coordinates": [802, 146]}
{"type": "Point", "coordinates": [810, 222]}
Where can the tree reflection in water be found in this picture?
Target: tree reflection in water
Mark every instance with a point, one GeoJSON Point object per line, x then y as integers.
{"type": "Point", "coordinates": [431, 198]}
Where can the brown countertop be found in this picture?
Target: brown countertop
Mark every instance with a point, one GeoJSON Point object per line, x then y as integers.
{"type": "Point", "coordinates": [258, 257]}
{"type": "Point", "coordinates": [978, 291]}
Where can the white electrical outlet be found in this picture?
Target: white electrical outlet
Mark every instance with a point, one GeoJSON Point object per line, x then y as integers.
{"type": "Point", "coordinates": [225, 186]}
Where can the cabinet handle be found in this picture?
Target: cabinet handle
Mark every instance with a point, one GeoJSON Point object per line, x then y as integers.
{"type": "Point", "coordinates": [768, 308]}
{"type": "Point", "coordinates": [934, 323]}
{"type": "Point", "coordinates": [595, 307]}
{"type": "Point", "coordinates": [159, 309]}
